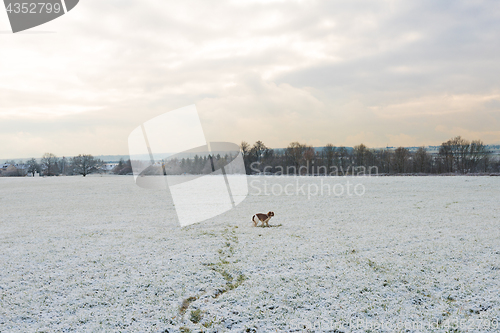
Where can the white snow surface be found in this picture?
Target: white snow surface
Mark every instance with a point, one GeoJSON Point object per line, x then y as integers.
{"type": "Point", "coordinates": [100, 254]}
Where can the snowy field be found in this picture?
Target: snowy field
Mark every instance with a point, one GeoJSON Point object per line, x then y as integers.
{"type": "Point", "coordinates": [100, 254]}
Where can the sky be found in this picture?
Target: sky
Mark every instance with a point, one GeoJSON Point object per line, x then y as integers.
{"type": "Point", "coordinates": [396, 73]}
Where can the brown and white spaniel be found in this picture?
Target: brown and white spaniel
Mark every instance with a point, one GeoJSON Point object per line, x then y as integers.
{"type": "Point", "coordinates": [264, 218]}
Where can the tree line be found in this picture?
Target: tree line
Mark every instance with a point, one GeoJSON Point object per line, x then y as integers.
{"type": "Point", "coordinates": [199, 164]}
{"type": "Point", "coordinates": [51, 165]}
{"type": "Point", "coordinates": [456, 155]}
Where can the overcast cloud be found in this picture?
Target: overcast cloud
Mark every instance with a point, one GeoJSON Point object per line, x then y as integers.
{"type": "Point", "coordinates": [373, 72]}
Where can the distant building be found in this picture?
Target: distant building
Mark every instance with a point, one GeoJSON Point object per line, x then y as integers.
{"type": "Point", "coordinates": [14, 170]}
{"type": "Point", "coordinates": [108, 167]}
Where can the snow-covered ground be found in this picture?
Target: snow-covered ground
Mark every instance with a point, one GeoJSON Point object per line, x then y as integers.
{"type": "Point", "coordinates": [100, 254]}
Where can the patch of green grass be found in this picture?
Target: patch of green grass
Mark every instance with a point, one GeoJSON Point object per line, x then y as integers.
{"type": "Point", "coordinates": [195, 316]}
{"type": "Point", "coordinates": [366, 290]}
{"type": "Point", "coordinates": [206, 233]}
{"type": "Point", "coordinates": [228, 277]}
{"type": "Point", "coordinates": [185, 304]}
{"type": "Point", "coordinates": [225, 266]}
{"type": "Point", "coordinates": [375, 266]}
{"type": "Point", "coordinates": [241, 278]}
{"type": "Point", "coordinates": [271, 226]}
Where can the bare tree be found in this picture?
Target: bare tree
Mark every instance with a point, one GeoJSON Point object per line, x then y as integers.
{"type": "Point", "coordinates": [360, 154]}
{"type": "Point", "coordinates": [295, 152]}
{"type": "Point", "coordinates": [478, 156]}
{"type": "Point", "coordinates": [259, 150]}
{"type": "Point", "coordinates": [309, 155]}
{"type": "Point", "coordinates": [245, 148]}
{"type": "Point", "coordinates": [343, 158]}
{"type": "Point", "coordinates": [383, 160]}
{"type": "Point", "coordinates": [49, 162]}
{"type": "Point", "coordinates": [446, 156]}
{"type": "Point", "coordinates": [64, 166]}
{"type": "Point", "coordinates": [401, 155]}
{"type": "Point", "coordinates": [85, 164]}
{"type": "Point", "coordinates": [33, 166]}
{"type": "Point", "coordinates": [460, 150]}
{"type": "Point", "coordinates": [329, 154]}
{"type": "Point", "coordinates": [463, 156]}
{"type": "Point", "coordinates": [421, 160]}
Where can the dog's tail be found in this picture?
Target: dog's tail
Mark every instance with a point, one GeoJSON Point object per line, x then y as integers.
{"type": "Point", "coordinates": [253, 220]}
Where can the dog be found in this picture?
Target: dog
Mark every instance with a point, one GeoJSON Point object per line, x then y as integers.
{"type": "Point", "coordinates": [264, 218]}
